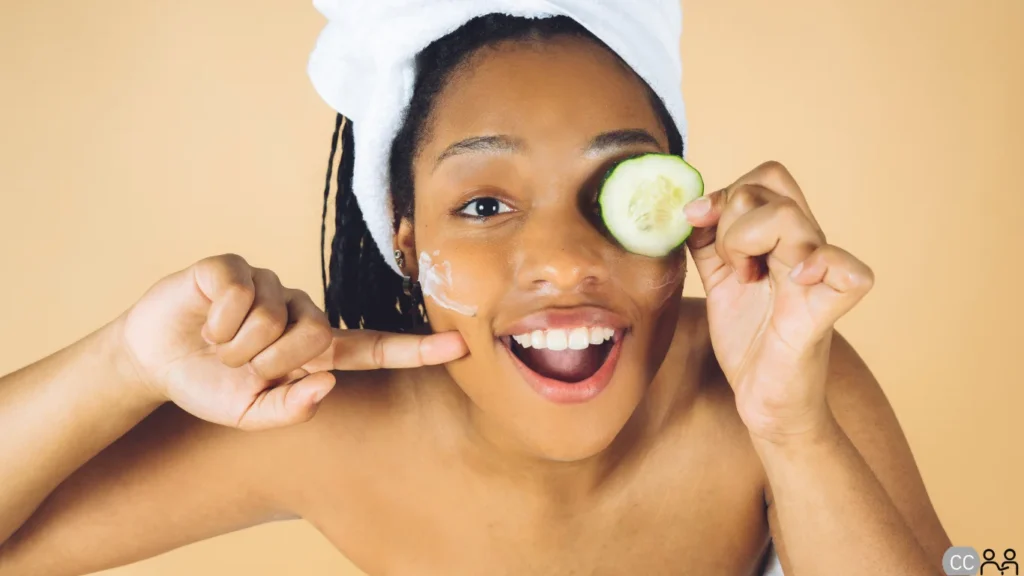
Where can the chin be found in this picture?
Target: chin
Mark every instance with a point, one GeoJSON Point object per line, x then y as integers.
{"type": "Point", "coordinates": [575, 448]}
{"type": "Point", "coordinates": [526, 406]}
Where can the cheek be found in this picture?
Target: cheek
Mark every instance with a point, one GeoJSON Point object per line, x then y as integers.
{"type": "Point", "coordinates": [650, 283]}
{"type": "Point", "coordinates": [464, 281]}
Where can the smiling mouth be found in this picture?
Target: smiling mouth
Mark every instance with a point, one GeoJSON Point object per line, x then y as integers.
{"type": "Point", "coordinates": [567, 356]}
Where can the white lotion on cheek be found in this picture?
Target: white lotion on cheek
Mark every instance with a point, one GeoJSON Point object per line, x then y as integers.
{"type": "Point", "coordinates": [436, 282]}
{"type": "Point", "coordinates": [672, 277]}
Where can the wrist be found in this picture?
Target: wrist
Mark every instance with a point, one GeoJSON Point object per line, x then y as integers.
{"type": "Point", "coordinates": [127, 373]}
{"type": "Point", "coordinates": [817, 429]}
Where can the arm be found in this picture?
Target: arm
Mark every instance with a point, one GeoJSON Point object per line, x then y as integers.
{"type": "Point", "coordinates": [817, 419]}
{"type": "Point", "coordinates": [87, 486]}
{"type": "Point", "coordinates": [850, 498]}
{"type": "Point", "coordinates": [76, 505]}
{"type": "Point", "coordinates": [57, 414]}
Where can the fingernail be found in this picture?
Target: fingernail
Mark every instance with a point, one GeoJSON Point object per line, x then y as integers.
{"type": "Point", "coordinates": [698, 207]}
{"type": "Point", "coordinates": [796, 270]}
{"type": "Point", "coordinates": [205, 333]}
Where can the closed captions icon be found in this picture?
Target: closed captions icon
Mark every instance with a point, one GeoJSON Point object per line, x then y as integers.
{"type": "Point", "coordinates": [965, 561]}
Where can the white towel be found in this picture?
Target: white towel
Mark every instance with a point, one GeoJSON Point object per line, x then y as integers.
{"type": "Point", "coordinates": [363, 67]}
{"type": "Point", "coordinates": [773, 566]}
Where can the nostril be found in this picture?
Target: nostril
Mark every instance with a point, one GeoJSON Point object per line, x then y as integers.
{"type": "Point", "coordinates": [568, 276]}
{"type": "Point", "coordinates": [565, 258]}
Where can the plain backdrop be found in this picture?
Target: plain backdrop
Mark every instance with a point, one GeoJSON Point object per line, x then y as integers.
{"type": "Point", "coordinates": [138, 137]}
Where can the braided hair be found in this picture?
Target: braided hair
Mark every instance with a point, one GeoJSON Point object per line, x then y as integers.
{"type": "Point", "coordinates": [360, 288]}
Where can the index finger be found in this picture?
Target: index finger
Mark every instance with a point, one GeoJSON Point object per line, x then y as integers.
{"type": "Point", "coordinates": [372, 350]}
{"type": "Point", "coordinates": [775, 177]}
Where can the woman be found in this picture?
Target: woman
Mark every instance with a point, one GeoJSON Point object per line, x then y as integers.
{"type": "Point", "coordinates": [687, 437]}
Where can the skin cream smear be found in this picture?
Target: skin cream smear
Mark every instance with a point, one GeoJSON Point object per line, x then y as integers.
{"type": "Point", "coordinates": [436, 282]}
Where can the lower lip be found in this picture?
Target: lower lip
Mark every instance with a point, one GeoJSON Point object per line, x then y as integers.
{"type": "Point", "coordinates": [576, 392]}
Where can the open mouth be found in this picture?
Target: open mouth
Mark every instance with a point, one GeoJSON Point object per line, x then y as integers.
{"type": "Point", "coordinates": [566, 365]}
{"type": "Point", "coordinates": [566, 355]}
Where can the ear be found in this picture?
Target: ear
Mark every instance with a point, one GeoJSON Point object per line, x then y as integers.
{"type": "Point", "coordinates": [405, 241]}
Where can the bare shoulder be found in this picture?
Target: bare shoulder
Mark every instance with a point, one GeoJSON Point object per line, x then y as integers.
{"type": "Point", "coordinates": [694, 309]}
{"type": "Point", "coordinates": [385, 401]}
{"type": "Point", "coordinates": [714, 404]}
{"type": "Point", "coordinates": [693, 343]}
{"type": "Point", "coordinates": [371, 425]}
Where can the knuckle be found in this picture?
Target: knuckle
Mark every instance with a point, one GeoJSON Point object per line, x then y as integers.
{"type": "Point", "coordinates": [312, 338]}
{"type": "Point", "coordinates": [302, 307]}
{"type": "Point", "coordinates": [299, 296]}
{"type": "Point", "coordinates": [774, 168]}
{"type": "Point", "coordinates": [302, 414]}
{"type": "Point", "coordinates": [265, 362]}
{"type": "Point", "coordinates": [227, 269]}
{"type": "Point", "coordinates": [866, 279]}
{"type": "Point", "coordinates": [268, 320]}
{"type": "Point", "coordinates": [378, 350]}
{"type": "Point", "coordinates": [242, 292]}
{"type": "Point", "coordinates": [267, 276]}
{"type": "Point", "coordinates": [321, 336]}
{"type": "Point", "coordinates": [788, 210]}
{"type": "Point", "coordinates": [230, 261]}
{"type": "Point", "coordinates": [743, 199]}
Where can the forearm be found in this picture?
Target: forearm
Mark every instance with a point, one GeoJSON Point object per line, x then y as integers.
{"type": "Point", "coordinates": [60, 412]}
{"type": "Point", "coordinates": [832, 512]}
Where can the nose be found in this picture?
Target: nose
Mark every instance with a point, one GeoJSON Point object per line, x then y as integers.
{"type": "Point", "coordinates": [561, 253]}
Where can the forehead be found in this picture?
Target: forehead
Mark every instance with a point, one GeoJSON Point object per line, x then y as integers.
{"type": "Point", "coordinates": [566, 88]}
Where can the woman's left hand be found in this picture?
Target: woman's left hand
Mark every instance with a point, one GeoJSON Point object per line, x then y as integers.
{"type": "Point", "coordinates": [775, 289]}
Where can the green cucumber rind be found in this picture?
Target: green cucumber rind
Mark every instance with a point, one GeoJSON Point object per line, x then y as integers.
{"type": "Point", "coordinates": [603, 201]}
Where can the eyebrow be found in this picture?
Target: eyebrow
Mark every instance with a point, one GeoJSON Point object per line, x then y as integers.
{"type": "Point", "coordinates": [618, 139]}
{"type": "Point", "coordinates": [503, 144]}
{"type": "Point", "coordinates": [488, 144]}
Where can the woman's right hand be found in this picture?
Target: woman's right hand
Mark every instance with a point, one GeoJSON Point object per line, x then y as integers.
{"type": "Point", "coordinates": [229, 344]}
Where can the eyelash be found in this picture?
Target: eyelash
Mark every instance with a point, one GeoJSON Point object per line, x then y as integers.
{"type": "Point", "coordinates": [461, 210]}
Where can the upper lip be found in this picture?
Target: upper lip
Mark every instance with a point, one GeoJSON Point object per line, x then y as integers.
{"type": "Point", "coordinates": [563, 318]}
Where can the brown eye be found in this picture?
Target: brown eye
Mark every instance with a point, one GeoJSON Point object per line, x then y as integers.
{"type": "Point", "coordinates": [484, 208]}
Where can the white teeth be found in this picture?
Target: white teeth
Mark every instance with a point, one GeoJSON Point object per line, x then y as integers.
{"type": "Point", "coordinates": [579, 338]}
{"type": "Point", "coordinates": [573, 339]}
{"type": "Point", "coordinates": [537, 340]}
{"type": "Point", "coordinates": [557, 340]}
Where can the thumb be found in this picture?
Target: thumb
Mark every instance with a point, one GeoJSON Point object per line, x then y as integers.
{"type": "Point", "coordinates": [286, 404]}
{"type": "Point", "coordinates": [704, 214]}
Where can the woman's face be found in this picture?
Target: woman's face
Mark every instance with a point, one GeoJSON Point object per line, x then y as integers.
{"type": "Point", "coordinates": [506, 179]}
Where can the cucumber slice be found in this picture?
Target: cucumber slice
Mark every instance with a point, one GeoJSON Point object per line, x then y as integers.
{"type": "Point", "coordinates": [642, 199]}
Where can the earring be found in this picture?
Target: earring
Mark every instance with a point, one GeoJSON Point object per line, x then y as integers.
{"type": "Point", "coordinates": [417, 314]}
{"type": "Point", "coordinates": [411, 289]}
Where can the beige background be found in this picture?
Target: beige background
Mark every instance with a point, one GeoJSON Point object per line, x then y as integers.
{"type": "Point", "coordinates": [137, 137]}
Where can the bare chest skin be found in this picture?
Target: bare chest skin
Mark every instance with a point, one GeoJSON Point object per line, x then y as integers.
{"type": "Point", "coordinates": [693, 508]}
{"type": "Point", "coordinates": [689, 501]}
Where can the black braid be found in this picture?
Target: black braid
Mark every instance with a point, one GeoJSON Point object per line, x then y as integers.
{"type": "Point", "coordinates": [327, 194]}
{"type": "Point", "coordinates": [363, 290]}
